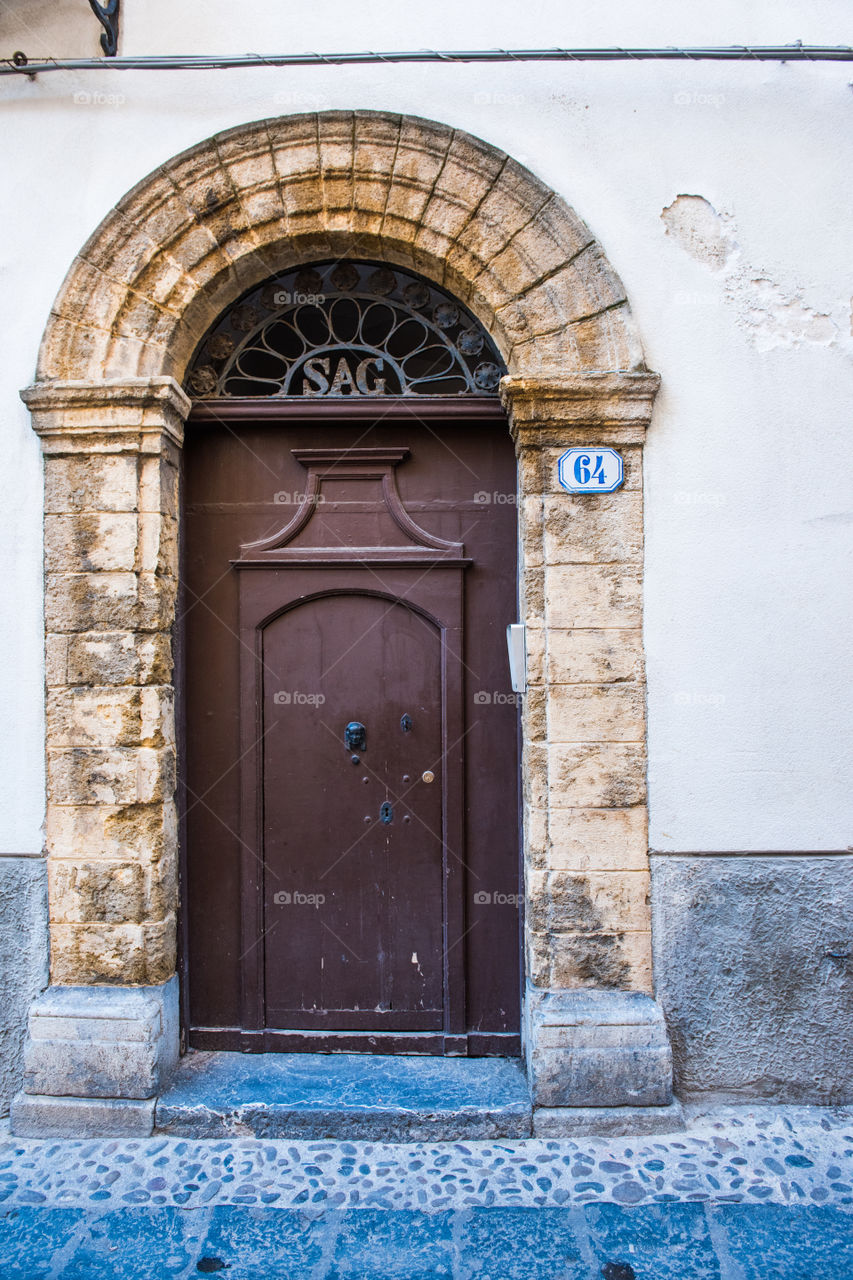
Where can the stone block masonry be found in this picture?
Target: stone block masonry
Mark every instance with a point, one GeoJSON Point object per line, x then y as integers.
{"type": "Point", "coordinates": [111, 506]}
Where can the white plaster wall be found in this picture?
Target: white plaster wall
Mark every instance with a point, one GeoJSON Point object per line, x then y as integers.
{"type": "Point", "coordinates": [749, 507]}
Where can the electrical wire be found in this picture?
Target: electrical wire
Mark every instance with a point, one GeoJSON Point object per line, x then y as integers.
{"type": "Point", "coordinates": [19, 64]}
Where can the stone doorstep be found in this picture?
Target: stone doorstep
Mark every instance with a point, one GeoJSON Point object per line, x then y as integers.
{"type": "Point", "coordinates": [370, 1097]}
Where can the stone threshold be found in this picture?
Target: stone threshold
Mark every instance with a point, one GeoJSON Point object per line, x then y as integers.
{"type": "Point", "coordinates": [345, 1096]}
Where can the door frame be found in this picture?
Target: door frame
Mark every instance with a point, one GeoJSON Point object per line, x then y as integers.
{"type": "Point", "coordinates": [252, 1036]}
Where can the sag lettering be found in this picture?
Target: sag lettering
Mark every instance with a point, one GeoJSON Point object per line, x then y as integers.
{"type": "Point", "coordinates": [319, 381]}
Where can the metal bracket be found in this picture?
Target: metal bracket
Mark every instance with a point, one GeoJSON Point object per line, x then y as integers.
{"type": "Point", "coordinates": [108, 15]}
{"type": "Point", "coordinates": [516, 642]}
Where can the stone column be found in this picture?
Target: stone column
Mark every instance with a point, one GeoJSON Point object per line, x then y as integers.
{"type": "Point", "coordinates": [594, 1036]}
{"type": "Point", "coordinates": [104, 1035]}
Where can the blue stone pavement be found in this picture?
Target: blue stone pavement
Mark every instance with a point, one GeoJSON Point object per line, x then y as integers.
{"type": "Point", "coordinates": [741, 1194]}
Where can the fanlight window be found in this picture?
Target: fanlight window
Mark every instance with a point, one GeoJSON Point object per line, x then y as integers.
{"type": "Point", "coordinates": [346, 329]}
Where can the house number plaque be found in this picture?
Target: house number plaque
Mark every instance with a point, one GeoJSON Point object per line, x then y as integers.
{"type": "Point", "coordinates": [590, 470]}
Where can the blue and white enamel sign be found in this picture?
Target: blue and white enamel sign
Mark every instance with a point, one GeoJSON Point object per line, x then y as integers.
{"type": "Point", "coordinates": [590, 470]}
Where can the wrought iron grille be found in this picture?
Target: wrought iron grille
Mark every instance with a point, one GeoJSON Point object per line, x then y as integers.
{"type": "Point", "coordinates": [346, 329]}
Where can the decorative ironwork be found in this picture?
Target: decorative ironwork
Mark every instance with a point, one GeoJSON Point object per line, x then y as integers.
{"type": "Point", "coordinates": [107, 15]}
{"type": "Point", "coordinates": [346, 329]}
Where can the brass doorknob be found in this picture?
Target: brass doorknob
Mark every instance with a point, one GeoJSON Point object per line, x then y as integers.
{"type": "Point", "coordinates": [428, 776]}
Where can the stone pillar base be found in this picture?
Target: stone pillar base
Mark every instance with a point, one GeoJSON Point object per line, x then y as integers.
{"type": "Point", "coordinates": [95, 1058]}
{"type": "Point", "coordinates": [606, 1122]}
{"type": "Point", "coordinates": [40, 1116]}
{"type": "Point", "coordinates": [596, 1049]}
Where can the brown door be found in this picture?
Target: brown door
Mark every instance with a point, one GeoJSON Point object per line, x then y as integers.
{"type": "Point", "coordinates": [351, 830]}
{"type": "Point", "coordinates": [353, 835]}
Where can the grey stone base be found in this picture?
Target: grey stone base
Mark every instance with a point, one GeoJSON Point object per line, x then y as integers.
{"type": "Point", "coordinates": [94, 1060]}
{"type": "Point", "coordinates": [616, 1122]}
{"type": "Point", "coordinates": [40, 1116]}
{"type": "Point", "coordinates": [102, 1042]}
{"type": "Point", "coordinates": [597, 1049]}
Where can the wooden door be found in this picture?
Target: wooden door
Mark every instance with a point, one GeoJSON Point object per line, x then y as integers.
{"type": "Point", "coordinates": [352, 835]}
{"type": "Point", "coordinates": [351, 828]}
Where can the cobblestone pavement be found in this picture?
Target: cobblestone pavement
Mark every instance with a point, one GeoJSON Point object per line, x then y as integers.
{"type": "Point", "coordinates": [742, 1194]}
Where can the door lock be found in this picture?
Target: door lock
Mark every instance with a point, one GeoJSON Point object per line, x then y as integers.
{"type": "Point", "coordinates": [386, 812]}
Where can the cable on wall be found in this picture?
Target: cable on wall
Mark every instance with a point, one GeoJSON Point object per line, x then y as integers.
{"type": "Point", "coordinates": [19, 64]}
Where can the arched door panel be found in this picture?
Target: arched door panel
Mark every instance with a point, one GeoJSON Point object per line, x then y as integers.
{"type": "Point", "coordinates": [352, 840]}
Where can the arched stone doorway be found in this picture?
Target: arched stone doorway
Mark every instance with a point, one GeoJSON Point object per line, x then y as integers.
{"type": "Point", "coordinates": [178, 250]}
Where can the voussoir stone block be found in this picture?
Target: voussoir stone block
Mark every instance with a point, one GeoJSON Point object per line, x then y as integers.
{"type": "Point", "coordinates": [597, 1049]}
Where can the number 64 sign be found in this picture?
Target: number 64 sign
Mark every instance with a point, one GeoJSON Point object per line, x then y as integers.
{"type": "Point", "coordinates": [590, 470]}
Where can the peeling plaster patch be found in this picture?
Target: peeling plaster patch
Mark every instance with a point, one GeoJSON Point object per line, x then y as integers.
{"type": "Point", "coordinates": [773, 317]}
{"type": "Point", "coordinates": [770, 315]}
{"type": "Point", "coordinates": [700, 230]}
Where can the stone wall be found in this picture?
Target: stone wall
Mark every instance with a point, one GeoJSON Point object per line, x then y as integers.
{"type": "Point", "coordinates": [23, 960]}
{"type": "Point", "coordinates": [753, 971]}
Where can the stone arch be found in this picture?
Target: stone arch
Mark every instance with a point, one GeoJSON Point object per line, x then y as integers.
{"type": "Point", "coordinates": [238, 207]}
{"type": "Point", "coordinates": [177, 251]}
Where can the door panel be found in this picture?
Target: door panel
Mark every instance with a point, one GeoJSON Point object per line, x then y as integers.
{"type": "Point", "coordinates": [266, 974]}
{"type": "Point", "coordinates": [352, 903]}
